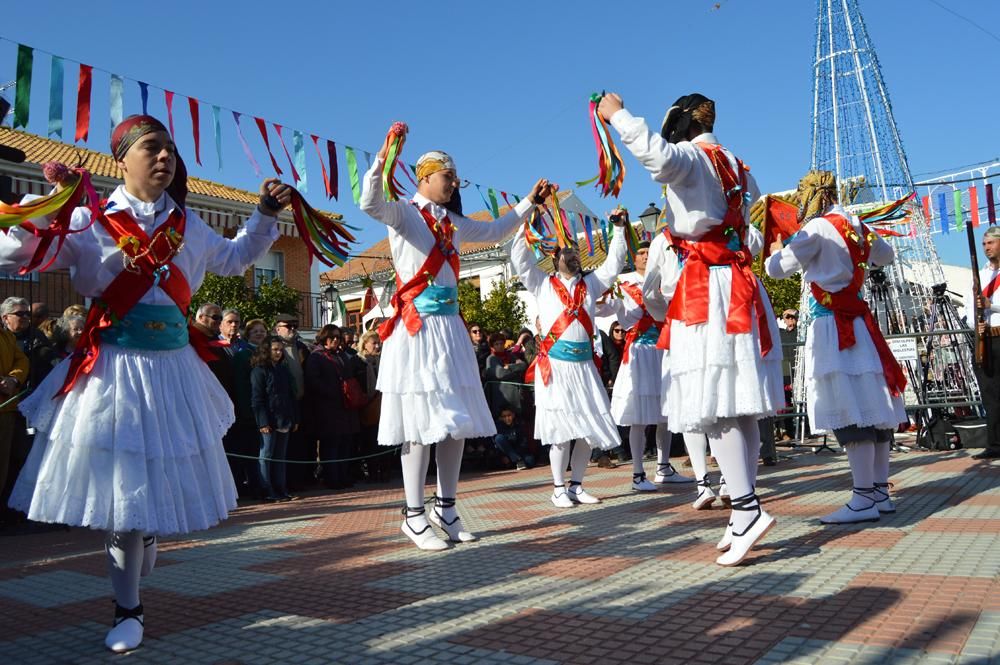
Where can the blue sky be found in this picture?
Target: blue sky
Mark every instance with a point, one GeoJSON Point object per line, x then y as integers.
{"type": "Point", "coordinates": [503, 86]}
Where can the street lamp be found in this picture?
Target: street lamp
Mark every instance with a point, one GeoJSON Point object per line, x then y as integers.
{"type": "Point", "coordinates": [649, 217]}
{"type": "Point", "coordinates": [331, 295]}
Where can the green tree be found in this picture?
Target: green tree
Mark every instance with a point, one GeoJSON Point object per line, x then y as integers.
{"type": "Point", "coordinates": [784, 293]}
{"type": "Point", "coordinates": [232, 292]}
{"type": "Point", "coordinates": [501, 308]}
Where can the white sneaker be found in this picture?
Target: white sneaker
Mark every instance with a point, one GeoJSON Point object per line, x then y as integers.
{"type": "Point", "coordinates": [727, 539]}
{"type": "Point", "coordinates": [126, 634]}
{"type": "Point", "coordinates": [560, 498]}
{"type": "Point", "coordinates": [417, 529]}
{"type": "Point", "coordinates": [579, 495]}
{"type": "Point", "coordinates": [456, 533]}
{"type": "Point", "coordinates": [148, 555]}
{"type": "Point", "coordinates": [666, 473]}
{"type": "Point", "coordinates": [883, 502]}
{"type": "Point", "coordinates": [740, 545]}
{"type": "Point", "coordinates": [706, 497]}
{"type": "Point", "coordinates": [641, 484]}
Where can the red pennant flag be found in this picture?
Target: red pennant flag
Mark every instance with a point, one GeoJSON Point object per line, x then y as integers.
{"type": "Point", "coordinates": [267, 144]}
{"type": "Point", "coordinates": [369, 302]}
{"type": "Point", "coordinates": [195, 129]}
{"type": "Point", "coordinates": [331, 151]}
{"type": "Point", "coordinates": [974, 205]}
{"type": "Point", "coordinates": [322, 166]}
{"type": "Point", "coordinates": [169, 98]}
{"type": "Point", "coordinates": [927, 208]}
{"type": "Point", "coordinates": [991, 214]}
{"type": "Point", "coordinates": [281, 139]}
{"type": "Point", "coordinates": [780, 217]}
{"type": "Point", "coordinates": [83, 103]}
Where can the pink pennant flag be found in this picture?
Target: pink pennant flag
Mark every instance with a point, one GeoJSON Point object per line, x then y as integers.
{"type": "Point", "coordinates": [281, 139]}
{"type": "Point", "coordinates": [267, 144]}
{"type": "Point", "coordinates": [974, 206]}
{"type": "Point", "coordinates": [326, 176]}
{"type": "Point", "coordinates": [169, 98]}
{"type": "Point", "coordinates": [246, 146]}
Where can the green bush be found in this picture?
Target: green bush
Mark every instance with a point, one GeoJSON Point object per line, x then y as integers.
{"type": "Point", "coordinates": [233, 293]}
{"type": "Point", "coordinates": [501, 308]}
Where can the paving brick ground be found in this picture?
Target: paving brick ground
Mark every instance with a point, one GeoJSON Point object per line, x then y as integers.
{"type": "Point", "coordinates": [330, 579]}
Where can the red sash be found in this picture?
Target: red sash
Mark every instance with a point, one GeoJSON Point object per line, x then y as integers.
{"type": "Point", "coordinates": [573, 310]}
{"type": "Point", "coordinates": [442, 252]}
{"type": "Point", "coordinates": [847, 306]}
{"type": "Point", "coordinates": [690, 301]}
{"type": "Point", "coordinates": [992, 287]}
{"type": "Point", "coordinates": [645, 323]}
{"type": "Point", "coordinates": [148, 263]}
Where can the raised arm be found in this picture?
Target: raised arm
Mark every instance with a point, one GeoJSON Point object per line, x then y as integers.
{"type": "Point", "coordinates": [18, 245]}
{"type": "Point", "coordinates": [497, 230]}
{"type": "Point", "coordinates": [373, 203]}
{"type": "Point", "coordinates": [608, 271]}
{"type": "Point", "coordinates": [523, 261]}
{"type": "Point", "coordinates": [798, 253]}
{"type": "Point", "coordinates": [882, 253]}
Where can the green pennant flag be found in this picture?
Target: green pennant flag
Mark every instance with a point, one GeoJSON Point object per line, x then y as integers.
{"type": "Point", "coordinates": [494, 207]}
{"type": "Point", "coordinates": [352, 171]}
{"type": "Point", "coordinates": [959, 220]}
{"type": "Point", "coordinates": [22, 94]}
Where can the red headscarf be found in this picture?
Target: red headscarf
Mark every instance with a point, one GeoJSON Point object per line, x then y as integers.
{"type": "Point", "coordinates": [134, 127]}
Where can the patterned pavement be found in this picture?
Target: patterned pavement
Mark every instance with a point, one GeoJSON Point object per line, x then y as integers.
{"type": "Point", "coordinates": [330, 579]}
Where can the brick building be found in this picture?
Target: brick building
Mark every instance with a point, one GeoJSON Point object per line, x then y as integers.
{"type": "Point", "coordinates": [223, 208]}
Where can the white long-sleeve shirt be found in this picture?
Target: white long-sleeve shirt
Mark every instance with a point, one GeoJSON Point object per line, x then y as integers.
{"type": "Point", "coordinates": [94, 260]}
{"type": "Point", "coordinates": [550, 307]}
{"type": "Point", "coordinates": [663, 269]}
{"type": "Point", "coordinates": [697, 202]}
{"type": "Point", "coordinates": [410, 241]}
{"type": "Point", "coordinates": [986, 275]}
{"type": "Point", "coordinates": [629, 312]}
{"type": "Point", "coordinates": [809, 252]}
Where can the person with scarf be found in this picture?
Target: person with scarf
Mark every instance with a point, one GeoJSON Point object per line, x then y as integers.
{"type": "Point", "coordinates": [854, 386]}
{"type": "Point", "coordinates": [129, 429]}
{"type": "Point", "coordinates": [637, 392]}
{"type": "Point", "coordinates": [571, 404]}
{"type": "Point", "coordinates": [725, 360]}
{"type": "Point", "coordinates": [428, 376]}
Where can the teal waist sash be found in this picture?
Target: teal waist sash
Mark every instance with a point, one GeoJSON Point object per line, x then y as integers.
{"type": "Point", "coordinates": [152, 327]}
{"type": "Point", "coordinates": [651, 336]}
{"type": "Point", "coordinates": [816, 310]}
{"type": "Point", "coordinates": [440, 300]}
{"type": "Point", "coordinates": [575, 352]}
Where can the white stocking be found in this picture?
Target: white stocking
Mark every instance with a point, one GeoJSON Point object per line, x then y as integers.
{"type": "Point", "coordinates": [730, 450]}
{"type": "Point", "coordinates": [862, 459]}
{"type": "Point", "coordinates": [559, 460]}
{"type": "Point", "coordinates": [882, 464]}
{"type": "Point", "coordinates": [415, 459]}
{"type": "Point", "coordinates": [449, 466]}
{"type": "Point", "coordinates": [751, 436]}
{"type": "Point", "coordinates": [580, 460]}
{"type": "Point", "coordinates": [697, 447]}
{"type": "Point", "coordinates": [664, 439]}
{"type": "Point", "coordinates": [124, 551]}
{"type": "Point", "coordinates": [637, 445]}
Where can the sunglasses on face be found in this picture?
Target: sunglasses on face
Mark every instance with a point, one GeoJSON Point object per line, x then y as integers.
{"type": "Point", "coordinates": [216, 317]}
{"type": "Point", "coordinates": [791, 316]}
{"type": "Point", "coordinates": [20, 315]}
{"type": "Point", "coordinates": [617, 331]}
{"type": "Point", "coordinates": [475, 332]}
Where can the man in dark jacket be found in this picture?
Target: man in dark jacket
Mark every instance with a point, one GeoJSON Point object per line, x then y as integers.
{"type": "Point", "coordinates": [302, 444]}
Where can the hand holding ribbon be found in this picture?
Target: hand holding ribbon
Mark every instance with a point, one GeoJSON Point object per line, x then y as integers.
{"type": "Point", "coordinates": [390, 151]}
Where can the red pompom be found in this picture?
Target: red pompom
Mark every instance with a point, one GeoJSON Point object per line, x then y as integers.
{"type": "Point", "coordinates": [399, 129]}
{"type": "Point", "coordinates": [56, 172]}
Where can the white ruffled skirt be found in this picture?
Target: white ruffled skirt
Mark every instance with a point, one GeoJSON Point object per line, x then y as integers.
{"type": "Point", "coordinates": [430, 385]}
{"type": "Point", "coordinates": [637, 397]}
{"type": "Point", "coordinates": [713, 374]}
{"type": "Point", "coordinates": [573, 406]}
{"type": "Point", "coordinates": [135, 446]}
{"type": "Point", "coordinates": [847, 387]}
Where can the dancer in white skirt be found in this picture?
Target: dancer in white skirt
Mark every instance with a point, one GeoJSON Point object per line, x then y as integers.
{"type": "Point", "coordinates": [854, 386]}
{"type": "Point", "coordinates": [637, 394]}
{"type": "Point", "coordinates": [725, 361]}
{"type": "Point", "coordinates": [129, 428]}
{"type": "Point", "coordinates": [428, 376]}
{"type": "Point", "coordinates": [570, 400]}
{"type": "Point", "coordinates": [663, 271]}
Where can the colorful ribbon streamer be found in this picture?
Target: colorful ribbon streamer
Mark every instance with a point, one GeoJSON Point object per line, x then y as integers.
{"type": "Point", "coordinates": [391, 188]}
{"type": "Point", "coordinates": [562, 233]}
{"type": "Point", "coordinates": [588, 229]}
{"type": "Point", "coordinates": [889, 211]}
{"type": "Point", "coordinates": [83, 103]}
{"type": "Point", "coordinates": [326, 240]}
{"type": "Point", "coordinates": [611, 169]}
{"type": "Point", "coordinates": [56, 98]}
